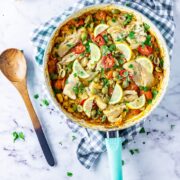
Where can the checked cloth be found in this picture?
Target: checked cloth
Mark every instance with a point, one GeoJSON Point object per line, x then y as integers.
{"type": "Point", "coordinates": [160, 12]}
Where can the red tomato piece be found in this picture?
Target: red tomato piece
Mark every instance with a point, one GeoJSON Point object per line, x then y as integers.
{"type": "Point", "coordinates": [145, 50]}
{"type": "Point", "coordinates": [99, 40]}
{"type": "Point", "coordinates": [58, 84]}
{"type": "Point", "coordinates": [108, 61]}
{"type": "Point", "coordinates": [80, 48]}
{"type": "Point", "coordinates": [121, 72]}
{"type": "Point", "coordinates": [82, 102]}
{"type": "Point", "coordinates": [79, 23]}
{"type": "Point", "coordinates": [100, 15]}
{"type": "Point", "coordinates": [148, 94]}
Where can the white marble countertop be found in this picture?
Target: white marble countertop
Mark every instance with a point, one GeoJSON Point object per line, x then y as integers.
{"type": "Point", "coordinates": [159, 157]}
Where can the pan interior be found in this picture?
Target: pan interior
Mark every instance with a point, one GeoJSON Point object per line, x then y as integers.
{"type": "Point", "coordinates": [136, 119]}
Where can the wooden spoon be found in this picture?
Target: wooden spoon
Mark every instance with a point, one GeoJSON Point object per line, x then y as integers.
{"type": "Point", "coordinates": [13, 66]}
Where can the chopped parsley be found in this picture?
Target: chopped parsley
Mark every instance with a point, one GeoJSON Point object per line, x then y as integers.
{"type": "Point", "coordinates": [17, 135]}
{"type": "Point", "coordinates": [144, 88]}
{"type": "Point", "coordinates": [75, 75]}
{"type": "Point", "coordinates": [69, 66]}
{"type": "Point", "coordinates": [119, 39]}
{"type": "Point", "coordinates": [146, 27]}
{"type": "Point", "coordinates": [87, 47]}
{"type": "Point", "coordinates": [126, 73]}
{"type": "Point", "coordinates": [121, 61]}
{"type": "Point", "coordinates": [112, 47]}
{"type": "Point", "coordinates": [148, 40]}
{"type": "Point", "coordinates": [105, 50]}
{"type": "Point", "coordinates": [131, 35]}
{"type": "Point", "coordinates": [78, 88]}
{"type": "Point", "coordinates": [70, 174]}
{"type": "Point", "coordinates": [45, 102]}
{"type": "Point", "coordinates": [149, 101]}
{"type": "Point", "coordinates": [142, 130]}
{"type": "Point", "coordinates": [114, 20]}
{"type": "Point", "coordinates": [36, 96]}
{"type": "Point", "coordinates": [161, 63]}
{"type": "Point", "coordinates": [154, 93]}
{"type": "Point", "coordinates": [103, 118]}
{"type": "Point", "coordinates": [74, 107]}
{"type": "Point", "coordinates": [128, 19]}
{"type": "Point", "coordinates": [69, 45]}
{"type": "Point", "coordinates": [106, 38]}
{"type": "Point", "coordinates": [134, 151]}
{"type": "Point", "coordinates": [105, 82]}
{"type": "Point", "coordinates": [131, 66]}
{"type": "Point", "coordinates": [102, 71]}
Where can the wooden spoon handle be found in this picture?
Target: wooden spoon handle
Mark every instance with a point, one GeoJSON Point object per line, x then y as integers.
{"type": "Point", "coordinates": [37, 126]}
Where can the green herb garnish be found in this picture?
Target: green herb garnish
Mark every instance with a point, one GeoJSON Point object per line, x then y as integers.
{"type": "Point", "coordinates": [45, 102]}
{"type": "Point", "coordinates": [36, 96]}
{"type": "Point", "coordinates": [131, 35]}
{"type": "Point", "coordinates": [154, 93]}
{"type": "Point", "coordinates": [70, 174]}
{"type": "Point", "coordinates": [131, 66]}
{"type": "Point", "coordinates": [128, 19]}
{"type": "Point", "coordinates": [106, 38]}
{"type": "Point", "coordinates": [144, 88]}
{"type": "Point", "coordinates": [133, 151]}
{"type": "Point", "coordinates": [17, 135]}
{"type": "Point", "coordinates": [142, 130]}
{"type": "Point", "coordinates": [112, 47]}
{"type": "Point", "coordinates": [161, 63]}
{"type": "Point", "coordinates": [114, 20]}
{"type": "Point", "coordinates": [78, 88]}
{"type": "Point", "coordinates": [105, 50]}
{"type": "Point", "coordinates": [148, 40]}
{"type": "Point", "coordinates": [105, 82]}
{"type": "Point", "coordinates": [146, 27]}
{"type": "Point", "coordinates": [69, 45]}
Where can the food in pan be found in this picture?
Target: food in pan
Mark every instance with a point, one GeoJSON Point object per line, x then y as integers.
{"type": "Point", "coordinates": [105, 66]}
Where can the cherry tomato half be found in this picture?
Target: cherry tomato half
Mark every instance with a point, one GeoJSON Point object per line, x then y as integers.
{"type": "Point", "coordinates": [99, 40]}
{"type": "Point", "coordinates": [80, 48]}
{"type": "Point", "coordinates": [145, 50]}
{"type": "Point", "coordinates": [108, 61]}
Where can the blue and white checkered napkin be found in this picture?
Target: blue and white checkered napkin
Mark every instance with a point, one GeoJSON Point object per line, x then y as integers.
{"type": "Point", "coordinates": [160, 12]}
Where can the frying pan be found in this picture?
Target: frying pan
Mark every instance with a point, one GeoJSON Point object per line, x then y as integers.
{"type": "Point", "coordinates": [113, 141]}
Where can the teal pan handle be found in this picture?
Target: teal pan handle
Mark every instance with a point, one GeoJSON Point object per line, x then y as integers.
{"type": "Point", "coordinates": [114, 150]}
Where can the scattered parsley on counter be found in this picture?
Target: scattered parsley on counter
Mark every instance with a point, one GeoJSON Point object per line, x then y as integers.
{"type": "Point", "coordinates": [134, 151]}
{"type": "Point", "coordinates": [17, 135]}
{"type": "Point", "coordinates": [70, 174]}
{"type": "Point", "coordinates": [142, 130]}
{"type": "Point", "coordinates": [45, 102]}
{"type": "Point", "coordinates": [36, 96]}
